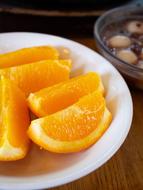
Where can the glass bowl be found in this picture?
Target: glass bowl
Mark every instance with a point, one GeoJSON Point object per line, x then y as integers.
{"type": "Point", "coordinates": [132, 73]}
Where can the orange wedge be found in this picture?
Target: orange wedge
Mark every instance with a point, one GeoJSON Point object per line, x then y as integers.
{"type": "Point", "coordinates": [28, 55]}
{"type": "Point", "coordinates": [74, 128]}
{"type": "Point", "coordinates": [14, 122]}
{"type": "Point", "coordinates": [34, 76]}
{"type": "Point", "coordinates": [57, 97]}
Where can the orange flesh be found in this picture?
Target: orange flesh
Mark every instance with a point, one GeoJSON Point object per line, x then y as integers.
{"type": "Point", "coordinates": [28, 55]}
{"type": "Point", "coordinates": [55, 98]}
{"type": "Point", "coordinates": [75, 122]}
{"type": "Point", "coordinates": [14, 115]}
{"type": "Point", "coordinates": [34, 76]}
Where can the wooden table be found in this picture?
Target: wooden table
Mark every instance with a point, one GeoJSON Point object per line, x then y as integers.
{"type": "Point", "coordinates": [124, 171]}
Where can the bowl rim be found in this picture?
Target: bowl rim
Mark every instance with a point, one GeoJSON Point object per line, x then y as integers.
{"type": "Point", "coordinates": [100, 41]}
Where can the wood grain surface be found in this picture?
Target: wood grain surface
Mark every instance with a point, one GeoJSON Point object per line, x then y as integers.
{"type": "Point", "coordinates": [43, 8]}
{"type": "Point", "coordinates": [124, 171]}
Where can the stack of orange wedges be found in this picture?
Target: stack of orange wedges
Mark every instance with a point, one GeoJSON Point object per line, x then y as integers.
{"type": "Point", "coordinates": [71, 112]}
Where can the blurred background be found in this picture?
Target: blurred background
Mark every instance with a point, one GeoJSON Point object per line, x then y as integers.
{"type": "Point", "coordinates": [59, 17]}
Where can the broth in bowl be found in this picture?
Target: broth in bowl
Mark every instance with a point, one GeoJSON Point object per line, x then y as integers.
{"type": "Point", "coordinates": [125, 40]}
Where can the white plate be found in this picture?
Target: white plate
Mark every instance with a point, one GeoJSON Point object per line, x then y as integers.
{"type": "Point", "coordinates": [41, 169]}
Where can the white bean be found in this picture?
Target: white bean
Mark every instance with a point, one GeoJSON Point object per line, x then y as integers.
{"type": "Point", "coordinates": [119, 41]}
{"type": "Point", "coordinates": [135, 27]}
{"type": "Point", "coordinates": [127, 56]}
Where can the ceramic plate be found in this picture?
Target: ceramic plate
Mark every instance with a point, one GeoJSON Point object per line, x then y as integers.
{"type": "Point", "coordinates": [42, 169]}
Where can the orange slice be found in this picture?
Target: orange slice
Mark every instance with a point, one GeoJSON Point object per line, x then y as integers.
{"type": "Point", "coordinates": [57, 97]}
{"type": "Point", "coordinates": [34, 76]}
{"type": "Point", "coordinates": [74, 128]}
{"type": "Point", "coordinates": [28, 55]}
{"type": "Point", "coordinates": [14, 122]}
